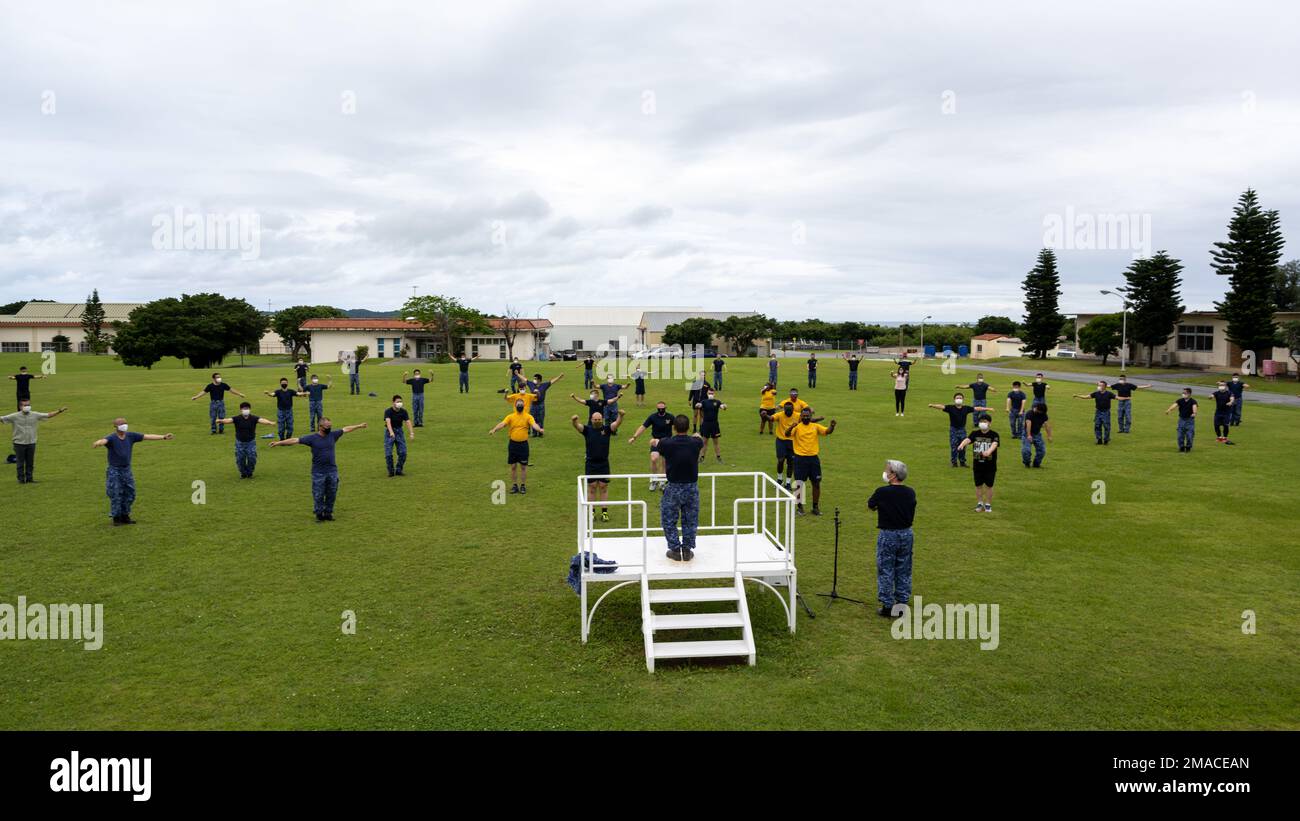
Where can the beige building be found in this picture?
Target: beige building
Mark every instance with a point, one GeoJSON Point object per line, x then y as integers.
{"type": "Point", "coordinates": [992, 346]}
{"type": "Point", "coordinates": [34, 327]}
{"type": "Point", "coordinates": [331, 339]}
{"type": "Point", "coordinates": [1200, 340]}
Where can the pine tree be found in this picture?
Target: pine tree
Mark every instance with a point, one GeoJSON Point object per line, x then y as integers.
{"type": "Point", "coordinates": [92, 324]}
{"type": "Point", "coordinates": [1249, 259]}
{"type": "Point", "coordinates": [1153, 294]}
{"type": "Point", "coordinates": [1042, 324]}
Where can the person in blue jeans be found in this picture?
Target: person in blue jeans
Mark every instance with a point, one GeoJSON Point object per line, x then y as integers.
{"type": "Point", "coordinates": [1186, 407]}
{"type": "Point", "coordinates": [812, 370]}
{"type": "Point", "coordinates": [216, 391]}
{"type": "Point", "coordinates": [539, 387]}
{"type": "Point", "coordinates": [958, 411]}
{"type": "Point", "coordinates": [587, 365]}
{"type": "Point", "coordinates": [324, 467]}
{"type": "Point", "coordinates": [284, 407]}
{"type": "Point", "coordinates": [718, 364]}
{"type": "Point", "coordinates": [300, 371]}
{"type": "Point", "coordinates": [245, 425]}
{"type": "Point", "coordinates": [771, 370]}
{"type": "Point", "coordinates": [462, 362]}
{"type": "Point", "coordinates": [394, 439]}
{"type": "Point", "coordinates": [1102, 397]}
{"type": "Point", "coordinates": [681, 494]}
{"type": "Point", "coordinates": [1037, 424]}
{"type": "Point", "coordinates": [417, 383]}
{"type": "Point", "coordinates": [854, 362]}
{"type": "Point", "coordinates": [1236, 387]}
{"type": "Point", "coordinates": [1016, 410]}
{"type": "Point", "coordinates": [895, 506]}
{"type": "Point", "coordinates": [119, 481]}
{"type": "Point", "coordinates": [316, 399]}
{"type": "Point", "coordinates": [354, 377]}
{"type": "Point", "coordinates": [979, 390]}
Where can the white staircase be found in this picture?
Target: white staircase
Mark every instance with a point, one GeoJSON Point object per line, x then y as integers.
{"type": "Point", "coordinates": [653, 623]}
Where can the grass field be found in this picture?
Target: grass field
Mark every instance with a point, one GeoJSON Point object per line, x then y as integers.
{"type": "Point", "coordinates": [1124, 615]}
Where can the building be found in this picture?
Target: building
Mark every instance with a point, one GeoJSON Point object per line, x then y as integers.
{"type": "Point", "coordinates": [1200, 340]}
{"type": "Point", "coordinates": [587, 328]}
{"type": "Point", "coordinates": [34, 328]}
{"type": "Point", "coordinates": [331, 339]}
{"type": "Point", "coordinates": [653, 323]}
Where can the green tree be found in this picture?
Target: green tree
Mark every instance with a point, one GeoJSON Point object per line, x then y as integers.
{"type": "Point", "coordinates": [1249, 258]}
{"type": "Point", "coordinates": [1102, 336]}
{"type": "Point", "coordinates": [1286, 286]}
{"type": "Point", "coordinates": [287, 324]}
{"type": "Point", "coordinates": [1156, 305]}
{"type": "Point", "coordinates": [692, 331]}
{"type": "Point", "coordinates": [61, 343]}
{"type": "Point", "coordinates": [446, 318]}
{"type": "Point", "coordinates": [1043, 321]}
{"type": "Point", "coordinates": [200, 328]}
{"type": "Point", "coordinates": [741, 331]}
{"type": "Point", "coordinates": [92, 324]}
{"type": "Point", "coordinates": [1290, 334]}
{"type": "Point", "coordinates": [995, 325]}
{"type": "Point", "coordinates": [12, 307]}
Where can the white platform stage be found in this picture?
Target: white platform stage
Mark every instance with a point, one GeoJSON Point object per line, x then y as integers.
{"type": "Point", "coordinates": [755, 543]}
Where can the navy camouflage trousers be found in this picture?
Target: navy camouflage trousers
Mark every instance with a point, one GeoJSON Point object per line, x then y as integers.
{"type": "Point", "coordinates": [681, 500]}
{"type": "Point", "coordinates": [119, 484]}
{"type": "Point", "coordinates": [324, 490]}
{"type": "Point", "coordinates": [894, 566]}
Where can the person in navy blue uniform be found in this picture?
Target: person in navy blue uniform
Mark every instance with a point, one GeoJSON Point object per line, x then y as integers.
{"type": "Point", "coordinates": [1102, 397]}
{"type": "Point", "coordinates": [1223, 404]}
{"type": "Point", "coordinates": [119, 481]}
{"type": "Point", "coordinates": [324, 468]}
{"type": "Point", "coordinates": [597, 435]}
{"type": "Point", "coordinates": [1236, 387]}
{"type": "Point", "coordinates": [216, 391]}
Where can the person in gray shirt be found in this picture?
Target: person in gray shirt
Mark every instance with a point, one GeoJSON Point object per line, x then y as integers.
{"type": "Point", "coordinates": [25, 422]}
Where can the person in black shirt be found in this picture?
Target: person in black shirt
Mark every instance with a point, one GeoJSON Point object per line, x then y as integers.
{"type": "Point", "coordinates": [812, 370]}
{"type": "Point", "coordinates": [417, 383]}
{"type": "Point", "coordinates": [1101, 418]}
{"type": "Point", "coordinates": [284, 408]}
{"type": "Point", "coordinates": [979, 390]}
{"type": "Point", "coordinates": [854, 362]}
{"type": "Point", "coordinates": [516, 373]}
{"type": "Point", "coordinates": [660, 425]}
{"type": "Point", "coordinates": [1124, 402]}
{"type": "Point", "coordinates": [597, 436]}
{"type": "Point", "coordinates": [216, 390]}
{"type": "Point", "coordinates": [24, 380]}
{"type": "Point", "coordinates": [681, 496]}
{"type": "Point", "coordinates": [1040, 388]}
{"type": "Point", "coordinates": [709, 407]}
{"type": "Point", "coordinates": [1036, 424]}
{"type": "Point", "coordinates": [895, 506]}
{"type": "Point", "coordinates": [983, 442]}
{"type": "Point", "coordinates": [957, 412]}
{"type": "Point", "coordinates": [594, 402]}
{"type": "Point", "coordinates": [1016, 410]}
{"type": "Point", "coordinates": [301, 370]}
{"type": "Point", "coordinates": [718, 364]}
{"type": "Point", "coordinates": [587, 364]}
{"type": "Point", "coordinates": [1223, 410]}
{"type": "Point", "coordinates": [539, 387]}
{"type": "Point", "coordinates": [462, 362]}
{"type": "Point", "coordinates": [395, 437]}
{"type": "Point", "coordinates": [246, 438]}
{"type": "Point", "coordinates": [1186, 420]}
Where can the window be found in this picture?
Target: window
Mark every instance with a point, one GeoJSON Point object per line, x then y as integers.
{"type": "Point", "coordinates": [979, 347]}
{"type": "Point", "coordinates": [577, 345]}
{"type": "Point", "coordinates": [13, 347]}
{"type": "Point", "coordinates": [380, 353]}
{"type": "Point", "coordinates": [83, 347]}
{"type": "Point", "coordinates": [1195, 337]}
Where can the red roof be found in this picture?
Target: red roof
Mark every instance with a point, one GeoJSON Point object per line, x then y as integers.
{"type": "Point", "coordinates": [345, 324]}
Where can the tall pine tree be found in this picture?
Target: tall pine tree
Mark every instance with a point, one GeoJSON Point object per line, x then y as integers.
{"type": "Point", "coordinates": [1249, 259]}
{"type": "Point", "coordinates": [92, 324]}
{"type": "Point", "coordinates": [1153, 294]}
{"type": "Point", "coordinates": [1042, 324]}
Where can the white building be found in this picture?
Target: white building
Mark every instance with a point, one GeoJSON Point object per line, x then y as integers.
{"type": "Point", "coordinates": [34, 327]}
{"type": "Point", "coordinates": [586, 328]}
{"type": "Point", "coordinates": [331, 339]}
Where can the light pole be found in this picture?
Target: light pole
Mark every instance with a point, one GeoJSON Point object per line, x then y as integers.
{"type": "Point", "coordinates": [923, 335]}
{"type": "Point", "coordinates": [1123, 351]}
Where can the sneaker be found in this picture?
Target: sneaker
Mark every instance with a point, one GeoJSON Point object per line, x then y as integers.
{"type": "Point", "coordinates": [1099, 441]}
{"type": "Point", "coordinates": [399, 473]}
{"type": "Point", "coordinates": [719, 459]}
{"type": "Point", "coordinates": [954, 464]}
{"type": "Point", "coordinates": [523, 488]}
{"type": "Point", "coordinates": [816, 511]}
{"type": "Point", "coordinates": [988, 508]}
{"type": "Point", "coordinates": [675, 555]}
{"type": "Point", "coordinates": [117, 521]}
{"type": "Point", "coordinates": [798, 510]}
{"type": "Point", "coordinates": [391, 474]}
{"type": "Point", "coordinates": [885, 611]}
{"type": "Point", "coordinates": [514, 488]}
{"type": "Point", "coordinates": [1229, 442]}
{"type": "Point", "coordinates": [329, 517]}
{"type": "Point", "coordinates": [687, 554]}
{"type": "Point", "coordinates": [979, 507]}
{"type": "Point", "coordinates": [604, 515]}
{"type": "Point", "coordinates": [127, 520]}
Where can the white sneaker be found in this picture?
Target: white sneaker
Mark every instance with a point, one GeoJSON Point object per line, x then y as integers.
{"type": "Point", "coordinates": [979, 507]}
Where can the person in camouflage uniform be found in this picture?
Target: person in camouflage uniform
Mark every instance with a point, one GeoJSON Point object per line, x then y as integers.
{"type": "Point", "coordinates": [119, 481]}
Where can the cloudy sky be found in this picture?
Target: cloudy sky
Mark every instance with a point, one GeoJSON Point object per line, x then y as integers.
{"type": "Point", "coordinates": [850, 161]}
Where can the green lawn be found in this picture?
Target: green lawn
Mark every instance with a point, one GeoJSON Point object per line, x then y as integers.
{"type": "Point", "coordinates": [1188, 376]}
{"type": "Point", "coordinates": [227, 614]}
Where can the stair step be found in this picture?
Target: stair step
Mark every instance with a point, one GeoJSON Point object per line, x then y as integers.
{"type": "Point", "coordinates": [690, 621]}
{"type": "Point", "coordinates": [670, 595]}
{"type": "Point", "coordinates": [699, 649]}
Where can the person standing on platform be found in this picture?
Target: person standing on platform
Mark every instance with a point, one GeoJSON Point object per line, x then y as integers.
{"type": "Point", "coordinates": [417, 383]}
{"type": "Point", "coordinates": [681, 497]}
{"type": "Point", "coordinates": [895, 506]}
{"type": "Point", "coordinates": [25, 421]}
{"type": "Point", "coordinates": [216, 390]}
{"type": "Point", "coordinates": [119, 481]}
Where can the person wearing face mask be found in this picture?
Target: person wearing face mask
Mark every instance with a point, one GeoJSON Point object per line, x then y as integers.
{"type": "Point", "coordinates": [593, 402]}
{"type": "Point", "coordinates": [812, 370]}
{"type": "Point", "coordinates": [772, 365]}
{"type": "Point", "coordinates": [597, 436]}
{"type": "Point", "coordinates": [1124, 402]}
{"type": "Point", "coordinates": [462, 363]}
{"type": "Point", "coordinates": [895, 506]}
{"type": "Point", "coordinates": [900, 392]}
{"type": "Point", "coordinates": [587, 365]}
{"type": "Point", "coordinates": [611, 392]}
{"type": "Point", "coordinates": [694, 393]}
{"type": "Point", "coordinates": [119, 481]}
{"type": "Point", "coordinates": [805, 442]}
{"type": "Point", "coordinates": [766, 408]}
{"type": "Point", "coordinates": [979, 390]}
{"type": "Point", "coordinates": [324, 467]}
{"type": "Point", "coordinates": [24, 422]}
{"type": "Point", "coordinates": [354, 374]}
{"type": "Point", "coordinates": [854, 362]}
{"type": "Point", "coordinates": [1039, 388]}
{"type": "Point", "coordinates": [1102, 397]}
{"type": "Point", "coordinates": [1236, 387]}
{"type": "Point", "coordinates": [216, 390]}
{"type": "Point", "coordinates": [958, 411]}
{"type": "Point", "coordinates": [1223, 404]}
{"type": "Point", "coordinates": [638, 379]}
{"type": "Point", "coordinates": [245, 425]}
{"type": "Point", "coordinates": [24, 380]}
{"type": "Point", "coordinates": [539, 387]}
{"type": "Point", "coordinates": [983, 442]}
{"type": "Point", "coordinates": [300, 371]}
{"type": "Point", "coordinates": [284, 396]}
{"type": "Point", "coordinates": [516, 373]}
{"type": "Point", "coordinates": [519, 422]}
{"type": "Point", "coordinates": [680, 503]}
{"type": "Point", "coordinates": [416, 384]}
{"type": "Point", "coordinates": [525, 395]}
{"type": "Point", "coordinates": [660, 425]}
{"type": "Point", "coordinates": [316, 399]}
{"type": "Point", "coordinates": [394, 437]}
{"type": "Point", "coordinates": [1036, 425]}
{"type": "Point", "coordinates": [1186, 407]}
{"type": "Point", "coordinates": [710, 429]}
{"type": "Point", "coordinates": [718, 364]}
{"type": "Point", "coordinates": [1016, 410]}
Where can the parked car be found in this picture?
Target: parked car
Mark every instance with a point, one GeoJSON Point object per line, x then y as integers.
{"type": "Point", "coordinates": [567, 356]}
{"type": "Point", "coordinates": [1063, 354]}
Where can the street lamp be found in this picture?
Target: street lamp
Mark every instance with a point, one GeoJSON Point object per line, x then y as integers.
{"type": "Point", "coordinates": [1122, 293]}
{"type": "Point", "coordinates": [923, 335]}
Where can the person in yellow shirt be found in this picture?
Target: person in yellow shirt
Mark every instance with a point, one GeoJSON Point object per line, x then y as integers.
{"type": "Point", "coordinates": [766, 408]}
{"type": "Point", "coordinates": [805, 438]}
{"type": "Point", "coordinates": [519, 423]}
{"type": "Point", "coordinates": [782, 419]}
{"type": "Point", "coordinates": [525, 395]}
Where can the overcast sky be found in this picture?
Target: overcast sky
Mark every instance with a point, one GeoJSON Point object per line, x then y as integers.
{"type": "Point", "coordinates": [848, 161]}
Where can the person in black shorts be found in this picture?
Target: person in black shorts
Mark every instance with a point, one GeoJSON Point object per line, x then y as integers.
{"type": "Point", "coordinates": [598, 435]}
{"type": "Point", "coordinates": [660, 425]}
{"type": "Point", "coordinates": [709, 407]}
{"type": "Point", "coordinates": [983, 443]}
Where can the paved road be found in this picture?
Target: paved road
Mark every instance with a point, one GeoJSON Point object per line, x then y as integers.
{"type": "Point", "coordinates": [1262, 397]}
